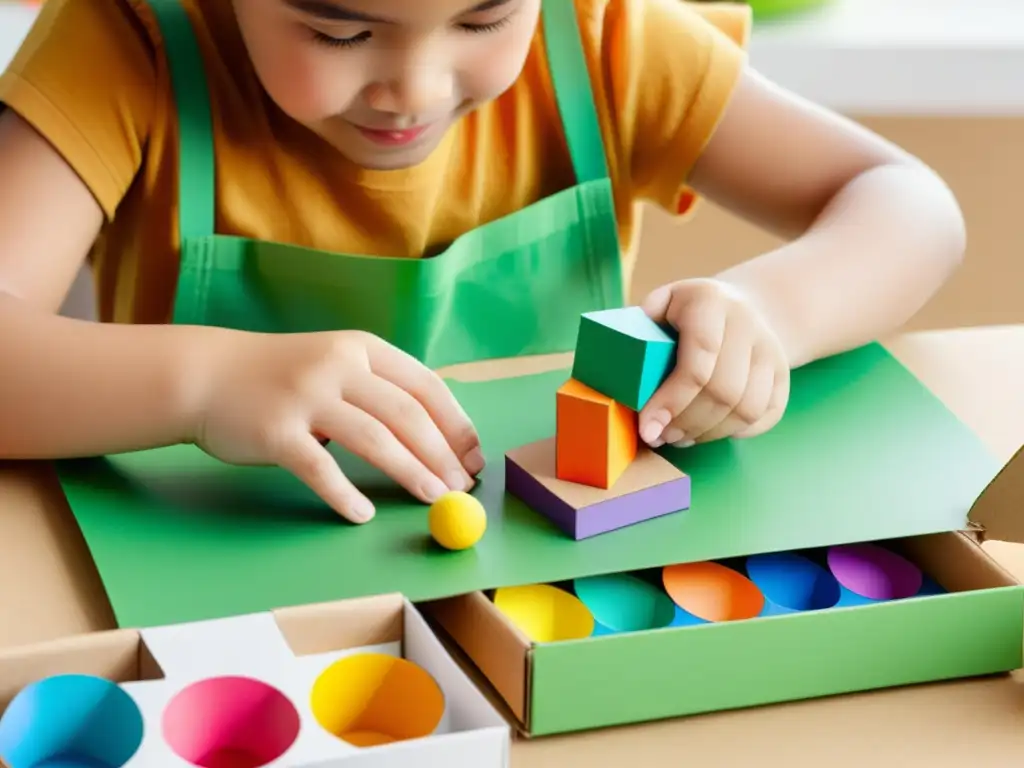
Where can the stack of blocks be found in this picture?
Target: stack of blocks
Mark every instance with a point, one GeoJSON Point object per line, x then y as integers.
{"type": "Point", "coordinates": [595, 475]}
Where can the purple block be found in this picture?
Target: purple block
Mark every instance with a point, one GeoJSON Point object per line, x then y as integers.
{"type": "Point", "coordinates": [650, 487]}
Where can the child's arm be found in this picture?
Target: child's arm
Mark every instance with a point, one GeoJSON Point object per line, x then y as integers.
{"type": "Point", "coordinates": [873, 232]}
{"type": "Point", "coordinates": [73, 388]}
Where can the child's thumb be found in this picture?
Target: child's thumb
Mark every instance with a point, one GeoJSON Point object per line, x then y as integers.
{"type": "Point", "coordinates": [656, 304]}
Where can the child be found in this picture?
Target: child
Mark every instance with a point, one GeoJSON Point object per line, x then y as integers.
{"type": "Point", "coordinates": [297, 209]}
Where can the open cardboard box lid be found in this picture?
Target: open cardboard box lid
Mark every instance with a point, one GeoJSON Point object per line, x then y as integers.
{"type": "Point", "coordinates": [996, 514]}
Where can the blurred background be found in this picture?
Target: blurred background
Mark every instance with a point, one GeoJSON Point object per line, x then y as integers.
{"type": "Point", "coordinates": [943, 78]}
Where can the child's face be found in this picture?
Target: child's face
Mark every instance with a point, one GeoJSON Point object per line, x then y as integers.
{"type": "Point", "coordinates": [382, 80]}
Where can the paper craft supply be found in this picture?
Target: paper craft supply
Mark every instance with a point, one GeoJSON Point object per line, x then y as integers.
{"type": "Point", "coordinates": [457, 520]}
{"type": "Point", "coordinates": [371, 698]}
{"type": "Point", "coordinates": [872, 571]}
{"type": "Point", "coordinates": [792, 582]}
{"type": "Point", "coordinates": [712, 591]}
{"type": "Point", "coordinates": [545, 613]}
{"type": "Point", "coordinates": [650, 487]}
{"type": "Point", "coordinates": [231, 693]}
{"type": "Point", "coordinates": [595, 437]}
{"type": "Point", "coordinates": [71, 721]}
{"type": "Point", "coordinates": [622, 602]}
{"type": "Point", "coordinates": [178, 536]}
{"type": "Point", "coordinates": [230, 721]}
{"type": "Point", "coordinates": [623, 354]}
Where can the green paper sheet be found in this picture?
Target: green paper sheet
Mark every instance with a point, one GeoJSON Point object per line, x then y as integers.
{"type": "Point", "coordinates": [864, 452]}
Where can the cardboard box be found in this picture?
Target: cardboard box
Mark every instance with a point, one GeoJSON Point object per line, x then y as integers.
{"type": "Point", "coordinates": [967, 621]}
{"type": "Point", "coordinates": [308, 686]}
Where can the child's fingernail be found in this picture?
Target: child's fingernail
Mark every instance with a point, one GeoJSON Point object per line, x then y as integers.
{"type": "Point", "coordinates": [673, 435]}
{"type": "Point", "coordinates": [650, 432]}
{"type": "Point", "coordinates": [686, 444]}
{"type": "Point", "coordinates": [474, 462]}
{"type": "Point", "coordinates": [362, 510]}
{"type": "Point", "coordinates": [654, 425]}
{"type": "Point", "coordinates": [434, 489]}
{"type": "Point", "coordinates": [457, 480]}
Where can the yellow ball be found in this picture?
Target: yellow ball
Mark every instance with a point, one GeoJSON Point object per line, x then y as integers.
{"type": "Point", "coordinates": [457, 520]}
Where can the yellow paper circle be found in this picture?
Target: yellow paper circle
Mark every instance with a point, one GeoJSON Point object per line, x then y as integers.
{"type": "Point", "coordinates": [545, 614]}
{"type": "Point", "coordinates": [457, 520]}
{"type": "Point", "coordinates": [373, 698]}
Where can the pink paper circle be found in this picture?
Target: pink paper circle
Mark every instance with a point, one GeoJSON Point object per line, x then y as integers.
{"type": "Point", "coordinates": [874, 572]}
{"type": "Point", "coordinates": [230, 721]}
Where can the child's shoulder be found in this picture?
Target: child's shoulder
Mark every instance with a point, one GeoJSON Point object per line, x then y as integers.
{"type": "Point", "coordinates": [609, 22]}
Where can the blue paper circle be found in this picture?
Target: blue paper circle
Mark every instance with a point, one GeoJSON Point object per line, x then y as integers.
{"type": "Point", "coordinates": [793, 582]}
{"type": "Point", "coordinates": [72, 721]}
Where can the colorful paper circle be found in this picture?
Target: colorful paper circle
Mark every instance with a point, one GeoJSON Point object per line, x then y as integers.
{"type": "Point", "coordinates": [792, 581]}
{"type": "Point", "coordinates": [624, 603]}
{"type": "Point", "coordinates": [369, 699]}
{"type": "Point", "coordinates": [874, 572]}
{"type": "Point", "coordinates": [235, 721]}
{"type": "Point", "coordinates": [544, 613]}
{"type": "Point", "coordinates": [712, 591]}
{"type": "Point", "coordinates": [71, 720]}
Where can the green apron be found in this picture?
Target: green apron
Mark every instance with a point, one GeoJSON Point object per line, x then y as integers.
{"type": "Point", "coordinates": [515, 286]}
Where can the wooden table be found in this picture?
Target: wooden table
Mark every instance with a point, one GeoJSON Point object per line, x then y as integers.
{"type": "Point", "coordinates": [49, 588]}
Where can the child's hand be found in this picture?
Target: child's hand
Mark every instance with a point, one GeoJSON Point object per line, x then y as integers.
{"type": "Point", "coordinates": [269, 399]}
{"type": "Point", "coordinates": [731, 377]}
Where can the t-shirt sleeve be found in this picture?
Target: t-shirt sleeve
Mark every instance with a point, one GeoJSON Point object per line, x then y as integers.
{"type": "Point", "coordinates": [84, 79]}
{"type": "Point", "coordinates": [670, 69]}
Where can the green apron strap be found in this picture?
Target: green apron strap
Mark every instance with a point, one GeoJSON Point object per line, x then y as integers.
{"type": "Point", "coordinates": [570, 76]}
{"type": "Point", "coordinates": [197, 194]}
{"type": "Point", "coordinates": [196, 160]}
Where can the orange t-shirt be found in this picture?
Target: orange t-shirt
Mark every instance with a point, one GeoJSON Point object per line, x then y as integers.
{"type": "Point", "coordinates": [91, 77]}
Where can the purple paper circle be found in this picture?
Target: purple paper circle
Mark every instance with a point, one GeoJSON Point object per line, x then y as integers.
{"type": "Point", "coordinates": [874, 572]}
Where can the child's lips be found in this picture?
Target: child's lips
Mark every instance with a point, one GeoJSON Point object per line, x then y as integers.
{"type": "Point", "coordinates": [393, 137]}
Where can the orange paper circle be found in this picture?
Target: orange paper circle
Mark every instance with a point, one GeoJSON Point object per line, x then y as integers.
{"type": "Point", "coordinates": [712, 591]}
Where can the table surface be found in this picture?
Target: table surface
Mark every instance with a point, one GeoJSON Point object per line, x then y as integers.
{"type": "Point", "coordinates": [49, 588]}
{"type": "Point", "coordinates": [925, 57]}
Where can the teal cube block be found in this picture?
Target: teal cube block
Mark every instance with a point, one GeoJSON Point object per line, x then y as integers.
{"type": "Point", "coordinates": [623, 354]}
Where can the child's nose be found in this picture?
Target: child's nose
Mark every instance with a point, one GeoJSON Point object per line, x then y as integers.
{"type": "Point", "coordinates": [420, 91]}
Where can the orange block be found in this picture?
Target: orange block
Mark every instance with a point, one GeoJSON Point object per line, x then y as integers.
{"type": "Point", "coordinates": [596, 437]}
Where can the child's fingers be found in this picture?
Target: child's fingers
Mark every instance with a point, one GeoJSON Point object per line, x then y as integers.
{"type": "Point", "coordinates": [406, 372]}
{"type": "Point", "coordinates": [722, 392]}
{"type": "Point", "coordinates": [776, 406]}
{"type": "Point", "coordinates": [753, 405]}
{"type": "Point", "coordinates": [312, 464]}
{"type": "Point", "coordinates": [371, 440]}
{"type": "Point", "coordinates": [701, 328]}
{"type": "Point", "coordinates": [408, 420]}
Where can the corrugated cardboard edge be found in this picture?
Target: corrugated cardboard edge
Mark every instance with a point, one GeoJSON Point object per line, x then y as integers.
{"type": "Point", "coordinates": [998, 512]}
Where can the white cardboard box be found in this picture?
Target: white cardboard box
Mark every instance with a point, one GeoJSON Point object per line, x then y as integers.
{"type": "Point", "coordinates": [287, 649]}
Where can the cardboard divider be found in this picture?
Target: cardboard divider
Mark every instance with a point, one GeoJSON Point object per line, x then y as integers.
{"type": "Point", "coordinates": [496, 646]}
{"type": "Point", "coordinates": [360, 683]}
{"type": "Point", "coordinates": [829, 629]}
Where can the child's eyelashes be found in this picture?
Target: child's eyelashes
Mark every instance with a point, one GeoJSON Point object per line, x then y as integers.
{"type": "Point", "coordinates": [489, 27]}
{"type": "Point", "coordinates": [339, 42]}
{"type": "Point", "coordinates": [362, 37]}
